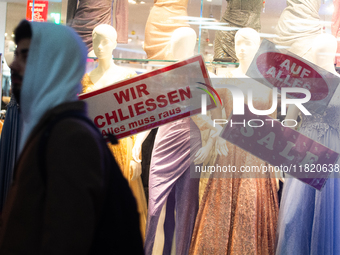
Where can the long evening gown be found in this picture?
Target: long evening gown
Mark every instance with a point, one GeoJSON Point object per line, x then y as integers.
{"type": "Point", "coordinates": [309, 221]}
{"type": "Point", "coordinates": [123, 155]}
{"type": "Point", "coordinates": [159, 27]}
{"type": "Point", "coordinates": [238, 215]}
{"type": "Point", "coordinates": [170, 184]}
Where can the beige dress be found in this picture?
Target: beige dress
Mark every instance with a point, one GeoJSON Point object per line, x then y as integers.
{"type": "Point", "coordinates": [123, 155]}
{"type": "Point", "coordinates": [237, 215]}
{"type": "Point", "coordinates": [159, 27]}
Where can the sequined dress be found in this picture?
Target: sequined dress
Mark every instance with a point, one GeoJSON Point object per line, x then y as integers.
{"type": "Point", "coordinates": [123, 155]}
{"type": "Point", "coordinates": [238, 215]}
{"type": "Point", "coordinates": [239, 13]}
{"type": "Point", "coordinates": [309, 220]}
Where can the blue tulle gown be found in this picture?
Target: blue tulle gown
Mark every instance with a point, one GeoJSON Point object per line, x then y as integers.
{"type": "Point", "coordinates": [309, 220]}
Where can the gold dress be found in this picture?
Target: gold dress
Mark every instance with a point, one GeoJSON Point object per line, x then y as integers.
{"type": "Point", "coordinates": [237, 215]}
{"type": "Point", "coordinates": [123, 155]}
{"type": "Point", "coordinates": [159, 27]}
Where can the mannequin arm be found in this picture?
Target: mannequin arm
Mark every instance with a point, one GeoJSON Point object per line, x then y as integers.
{"type": "Point", "coordinates": [137, 148]}
{"type": "Point", "coordinates": [203, 153]}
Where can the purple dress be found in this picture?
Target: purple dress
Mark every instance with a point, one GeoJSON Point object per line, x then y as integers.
{"type": "Point", "coordinates": [175, 145]}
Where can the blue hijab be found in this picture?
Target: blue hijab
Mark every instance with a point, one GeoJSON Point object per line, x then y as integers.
{"type": "Point", "coordinates": [54, 69]}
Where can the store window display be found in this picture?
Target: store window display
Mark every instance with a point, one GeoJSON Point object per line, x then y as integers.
{"type": "Point", "coordinates": [309, 219]}
{"type": "Point", "coordinates": [107, 73]}
{"type": "Point", "coordinates": [239, 213]}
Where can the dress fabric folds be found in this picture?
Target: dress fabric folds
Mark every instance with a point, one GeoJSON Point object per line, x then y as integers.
{"type": "Point", "coordinates": [309, 220]}
{"type": "Point", "coordinates": [298, 25]}
{"type": "Point", "coordinates": [9, 147]}
{"type": "Point", "coordinates": [160, 26]}
{"type": "Point", "coordinates": [170, 183]}
{"type": "Point", "coordinates": [238, 215]}
{"type": "Point", "coordinates": [91, 13]}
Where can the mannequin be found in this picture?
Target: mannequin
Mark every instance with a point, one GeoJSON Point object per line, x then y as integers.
{"type": "Point", "coordinates": [181, 46]}
{"type": "Point", "coordinates": [308, 221]}
{"type": "Point", "coordinates": [239, 13]}
{"type": "Point", "coordinates": [107, 73]}
{"type": "Point", "coordinates": [173, 195]}
{"type": "Point", "coordinates": [246, 44]}
{"type": "Point", "coordinates": [160, 27]}
{"type": "Point", "coordinates": [104, 42]}
{"type": "Point", "coordinates": [240, 213]}
{"type": "Point", "coordinates": [298, 25]}
{"type": "Point", "coordinates": [85, 15]}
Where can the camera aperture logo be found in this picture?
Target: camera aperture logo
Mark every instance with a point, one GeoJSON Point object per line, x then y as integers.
{"type": "Point", "coordinates": [204, 97]}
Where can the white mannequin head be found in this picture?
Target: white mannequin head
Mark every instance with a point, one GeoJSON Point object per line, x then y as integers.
{"type": "Point", "coordinates": [247, 42]}
{"type": "Point", "coordinates": [182, 43]}
{"type": "Point", "coordinates": [104, 39]}
{"type": "Point", "coordinates": [323, 51]}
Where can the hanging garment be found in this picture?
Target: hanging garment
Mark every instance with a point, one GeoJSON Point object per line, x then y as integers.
{"type": "Point", "coordinates": [9, 147]}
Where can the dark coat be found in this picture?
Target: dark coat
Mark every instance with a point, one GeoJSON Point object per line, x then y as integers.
{"type": "Point", "coordinates": [59, 214]}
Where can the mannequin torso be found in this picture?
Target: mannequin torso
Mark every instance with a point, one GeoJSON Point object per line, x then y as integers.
{"type": "Point", "coordinates": [107, 73]}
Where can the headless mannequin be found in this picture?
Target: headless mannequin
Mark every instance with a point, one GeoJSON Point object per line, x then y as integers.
{"type": "Point", "coordinates": [323, 53]}
{"type": "Point", "coordinates": [104, 42]}
{"type": "Point", "coordinates": [181, 47]}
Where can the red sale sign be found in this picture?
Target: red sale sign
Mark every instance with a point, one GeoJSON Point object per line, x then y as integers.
{"type": "Point", "coordinates": [286, 149]}
{"type": "Point", "coordinates": [150, 100]}
{"type": "Point", "coordinates": [282, 69]}
{"type": "Point", "coordinates": [40, 10]}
